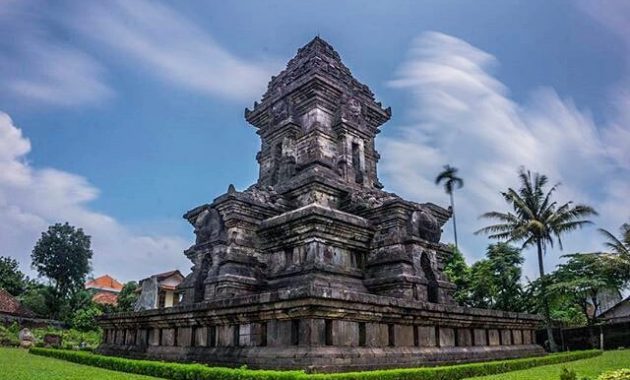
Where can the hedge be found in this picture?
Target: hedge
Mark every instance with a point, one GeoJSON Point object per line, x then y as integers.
{"type": "Point", "coordinates": [177, 371]}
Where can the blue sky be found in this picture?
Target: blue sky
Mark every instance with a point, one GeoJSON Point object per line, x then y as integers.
{"type": "Point", "coordinates": [120, 116]}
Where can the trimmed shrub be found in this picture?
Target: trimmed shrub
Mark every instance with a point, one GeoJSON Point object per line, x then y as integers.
{"type": "Point", "coordinates": [177, 371]}
{"type": "Point", "coordinates": [619, 374]}
{"type": "Point", "coordinates": [568, 374]}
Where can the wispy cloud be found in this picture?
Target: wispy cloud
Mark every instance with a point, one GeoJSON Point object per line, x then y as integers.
{"type": "Point", "coordinates": [33, 198]}
{"type": "Point", "coordinates": [463, 115]}
{"type": "Point", "coordinates": [58, 75]}
{"type": "Point", "coordinates": [172, 48]}
{"type": "Point", "coordinates": [39, 68]}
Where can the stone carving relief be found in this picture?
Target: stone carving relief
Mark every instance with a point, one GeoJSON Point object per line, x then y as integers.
{"type": "Point", "coordinates": [425, 226]}
{"type": "Point", "coordinates": [351, 109]}
{"type": "Point", "coordinates": [209, 226]}
{"type": "Point", "coordinates": [279, 111]}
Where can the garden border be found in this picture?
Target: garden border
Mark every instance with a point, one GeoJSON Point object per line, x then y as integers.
{"type": "Point", "coordinates": [179, 371]}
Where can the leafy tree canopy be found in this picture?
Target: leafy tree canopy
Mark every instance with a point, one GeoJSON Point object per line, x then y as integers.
{"type": "Point", "coordinates": [127, 297]}
{"type": "Point", "coordinates": [584, 277]}
{"type": "Point", "coordinates": [458, 272]}
{"type": "Point", "coordinates": [11, 278]}
{"type": "Point", "coordinates": [63, 255]}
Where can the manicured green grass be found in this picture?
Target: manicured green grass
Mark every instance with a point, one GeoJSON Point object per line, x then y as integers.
{"type": "Point", "coordinates": [17, 364]}
{"type": "Point", "coordinates": [590, 368]}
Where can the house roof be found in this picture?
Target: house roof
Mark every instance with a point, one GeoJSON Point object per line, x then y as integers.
{"type": "Point", "coordinates": [105, 298]}
{"type": "Point", "coordinates": [618, 304]}
{"type": "Point", "coordinates": [105, 282]}
{"type": "Point", "coordinates": [10, 305]}
{"type": "Point", "coordinates": [165, 275]}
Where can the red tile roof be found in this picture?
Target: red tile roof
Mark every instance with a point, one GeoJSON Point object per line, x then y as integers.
{"type": "Point", "coordinates": [105, 298]}
{"type": "Point", "coordinates": [10, 305]}
{"type": "Point", "coordinates": [104, 282]}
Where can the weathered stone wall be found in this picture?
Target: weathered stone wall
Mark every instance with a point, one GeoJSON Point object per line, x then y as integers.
{"type": "Point", "coordinates": [315, 266]}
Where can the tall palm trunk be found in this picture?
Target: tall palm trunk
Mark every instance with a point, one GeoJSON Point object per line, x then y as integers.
{"type": "Point", "coordinates": [454, 220]}
{"type": "Point", "coordinates": [543, 290]}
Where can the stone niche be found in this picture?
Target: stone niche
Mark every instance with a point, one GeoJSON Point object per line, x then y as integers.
{"type": "Point", "coordinates": [315, 265]}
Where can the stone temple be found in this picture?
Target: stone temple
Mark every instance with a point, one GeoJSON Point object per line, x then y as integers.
{"type": "Point", "coordinates": [315, 266]}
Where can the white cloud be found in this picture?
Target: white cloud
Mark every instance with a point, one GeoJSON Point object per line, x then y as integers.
{"type": "Point", "coordinates": [463, 116]}
{"type": "Point", "coordinates": [172, 48]}
{"type": "Point", "coordinates": [32, 198]}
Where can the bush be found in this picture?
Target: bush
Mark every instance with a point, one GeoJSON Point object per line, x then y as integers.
{"type": "Point", "coordinates": [568, 374]}
{"type": "Point", "coordinates": [9, 335]}
{"type": "Point", "coordinates": [619, 374]}
{"type": "Point", "coordinates": [85, 319]}
{"type": "Point", "coordinates": [178, 371]}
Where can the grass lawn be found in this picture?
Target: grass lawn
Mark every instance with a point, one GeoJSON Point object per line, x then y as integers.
{"type": "Point", "coordinates": [590, 368]}
{"type": "Point", "coordinates": [17, 364]}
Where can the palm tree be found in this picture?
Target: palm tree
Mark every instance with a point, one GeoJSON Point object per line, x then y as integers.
{"type": "Point", "coordinates": [619, 250]}
{"type": "Point", "coordinates": [451, 181]}
{"type": "Point", "coordinates": [619, 247]}
{"type": "Point", "coordinates": [537, 221]}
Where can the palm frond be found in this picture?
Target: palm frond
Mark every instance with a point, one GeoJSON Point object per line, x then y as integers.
{"type": "Point", "coordinates": [613, 243]}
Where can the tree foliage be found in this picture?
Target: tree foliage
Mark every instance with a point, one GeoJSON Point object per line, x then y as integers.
{"type": "Point", "coordinates": [11, 278]}
{"type": "Point", "coordinates": [127, 297]}
{"type": "Point", "coordinates": [618, 246]}
{"type": "Point", "coordinates": [85, 319]}
{"type": "Point", "coordinates": [492, 283]}
{"type": "Point", "coordinates": [495, 282]}
{"type": "Point", "coordinates": [63, 255]}
{"type": "Point", "coordinates": [538, 221]}
{"type": "Point", "coordinates": [451, 181]}
{"type": "Point", "coordinates": [458, 272]}
{"type": "Point", "coordinates": [39, 298]}
{"type": "Point", "coordinates": [583, 278]}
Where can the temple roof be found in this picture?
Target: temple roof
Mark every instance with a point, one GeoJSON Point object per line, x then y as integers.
{"type": "Point", "coordinates": [316, 59]}
{"type": "Point", "coordinates": [317, 56]}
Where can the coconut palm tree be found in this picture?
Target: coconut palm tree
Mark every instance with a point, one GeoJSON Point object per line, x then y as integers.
{"type": "Point", "coordinates": [451, 181]}
{"type": "Point", "coordinates": [537, 220]}
{"type": "Point", "coordinates": [619, 250]}
{"type": "Point", "coordinates": [619, 247]}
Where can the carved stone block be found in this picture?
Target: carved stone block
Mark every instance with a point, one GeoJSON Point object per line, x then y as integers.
{"type": "Point", "coordinates": [506, 337]}
{"type": "Point", "coordinates": [493, 337]}
{"type": "Point", "coordinates": [426, 336]}
{"type": "Point", "coordinates": [447, 337]}
{"type": "Point", "coordinates": [480, 337]}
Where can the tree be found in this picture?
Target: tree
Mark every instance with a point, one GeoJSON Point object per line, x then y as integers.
{"type": "Point", "coordinates": [583, 278]}
{"type": "Point", "coordinates": [505, 262]}
{"type": "Point", "coordinates": [621, 246]}
{"type": "Point", "coordinates": [127, 297]}
{"type": "Point", "coordinates": [11, 278]}
{"type": "Point", "coordinates": [40, 299]}
{"type": "Point", "coordinates": [63, 255]}
{"type": "Point", "coordinates": [537, 220]}
{"type": "Point", "coordinates": [85, 319]}
{"type": "Point", "coordinates": [451, 181]}
{"type": "Point", "coordinates": [562, 308]}
{"type": "Point", "coordinates": [458, 272]}
{"type": "Point", "coordinates": [495, 280]}
{"type": "Point", "coordinates": [618, 251]}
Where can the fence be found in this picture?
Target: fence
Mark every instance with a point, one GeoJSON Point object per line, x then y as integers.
{"type": "Point", "coordinates": [605, 336]}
